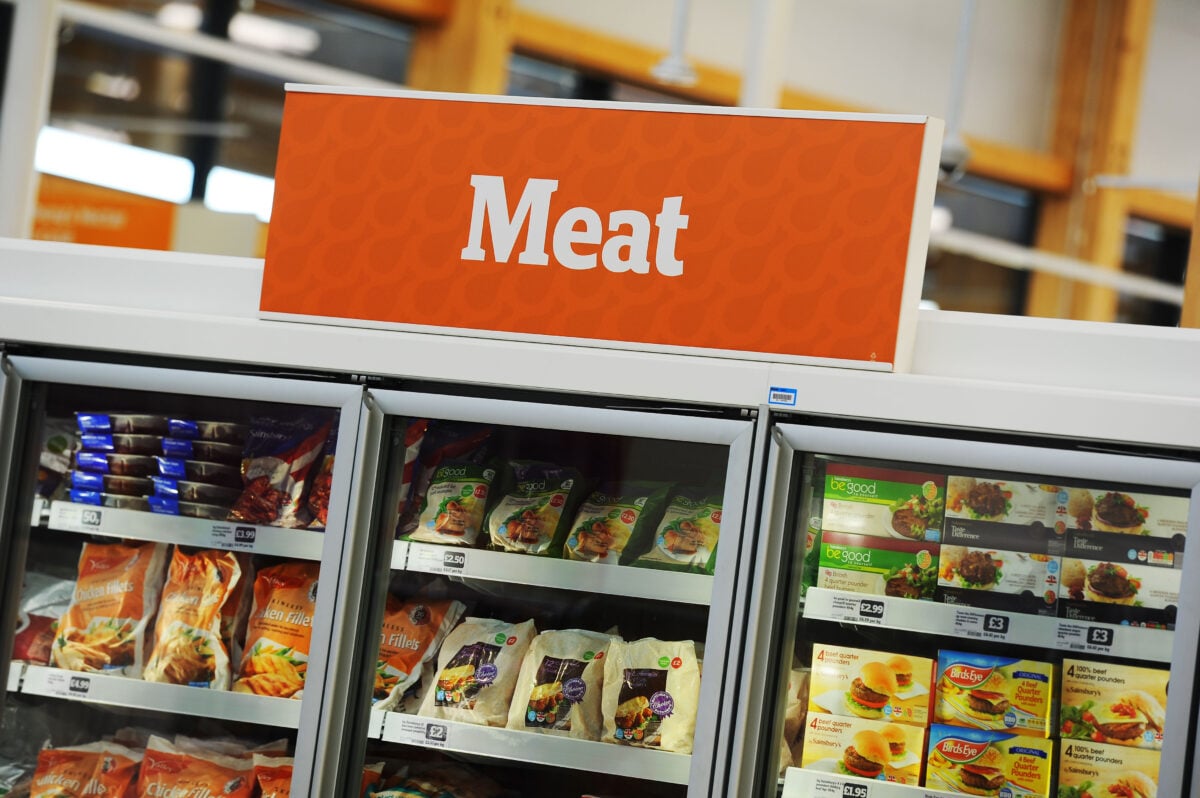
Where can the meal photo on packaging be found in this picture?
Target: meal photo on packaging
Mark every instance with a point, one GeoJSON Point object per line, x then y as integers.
{"type": "Point", "coordinates": [877, 685]}
{"type": "Point", "coordinates": [877, 565]}
{"type": "Point", "coordinates": [1000, 566]}
{"type": "Point", "coordinates": [868, 749]}
{"type": "Point", "coordinates": [1123, 513]}
{"type": "Point", "coordinates": [615, 522]}
{"type": "Point", "coordinates": [686, 538]}
{"type": "Point", "coordinates": [990, 763]}
{"type": "Point", "coordinates": [560, 685]}
{"type": "Point", "coordinates": [651, 694]}
{"type": "Point", "coordinates": [535, 507]}
{"type": "Point", "coordinates": [1116, 704]}
{"type": "Point", "coordinates": [477, 671]}
{"type": "Point", "coordinates": [885, 502]}
{"type": "Point", "coordinates": [279, 631]}
{"type": "Point", "coordinates": [976, 498]}
{"type": "Point", "coordinates": [1097, 770]}
{"type": "Point", "coordinates": [410, 636]}
{"type": "Point", "coordinates": [983, 691]}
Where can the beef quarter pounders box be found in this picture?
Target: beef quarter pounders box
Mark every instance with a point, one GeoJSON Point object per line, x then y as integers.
{"type": "Point", "coordinates": [869, 749]}
{"type": "Point", "coordinates": [878, 566]}
{"type": "Point", "coordinates": [877, 685]}
{"type": "Point", "coordinates": [1117, 704]}
{"type": "Point", "coordinates": [885, 502]}
{"type": "Point", "coordinates": [1107, 770]}
{"type": "Point", "coordinates": [982, 762]}
{"type": "Point", "coordinates": [996, 693]}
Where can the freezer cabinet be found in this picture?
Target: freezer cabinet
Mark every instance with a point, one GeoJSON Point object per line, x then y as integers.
{"type": "Point", "coordinates": [164, 535]}
{"type": "Point", "coordinates": [944, 613]}
{"type": "Point", "coordinates": [547, 608]}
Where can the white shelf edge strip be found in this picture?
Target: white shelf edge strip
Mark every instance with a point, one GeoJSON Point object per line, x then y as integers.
{"type": "Point", "coordinates": [800, 783]}
{"type": "Point", "coordinates": [640, 763]}
{"type": "Point", "coordinates": [159, 528]}
{"type": "Point", "coordinates": [171, 698]}
{"type": "Point", "coordinates": [550, 572]}
{"type": "Point", "coordinates": [994, 626]}
{"type": "Point", "coordinates": [15, 671]}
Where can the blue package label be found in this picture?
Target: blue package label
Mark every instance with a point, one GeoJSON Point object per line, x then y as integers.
{"type": "Point", "coordinates": [173, 467]}
{"type": "Point", "coordinates": [87, 481]}
{"type": "Point", "coordinates": [96, 442]}
{"type": "Point", "coordinates": [80, 496]}
{"type": "Point", "coordinates": [92, 461]}
{"type": "Point", "coordinates": [165, 486]}
{"type": "Point", "coordinates": [177, 447]}
{"type": "Point", "coordinates": [93, 422]}
{"type": "Point", "coordinates": [166, 505]}
{"type": "Point", "coordinates": [182, 428]}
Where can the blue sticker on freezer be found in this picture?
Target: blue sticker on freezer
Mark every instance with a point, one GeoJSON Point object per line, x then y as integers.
{"type": "Point", "coordinates": [782, 396]}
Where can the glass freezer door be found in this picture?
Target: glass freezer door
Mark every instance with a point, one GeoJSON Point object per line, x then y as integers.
{"type": "Point", "coordinates": [548, 584]}
{"type": "Point", "coordinates": [171, 544]}
{"type": "Point", "coordinates": [967, 617]}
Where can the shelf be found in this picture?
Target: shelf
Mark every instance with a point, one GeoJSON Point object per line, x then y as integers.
{"type": "Point", "coordinates": [140, 525]}
{"type": "Point", "coordinates": [799, 783]}
{"type": "Point", "coordinates": [15, 670]}
{"type": "Point", "coordinates": [527, 569]}
{"type": "Point", "coordinates": [40, 508]}
{"type": "Point", "coordinates": [993, 626]}
{"type": "Point", "coordinates": [375, 724]}
{"type": "Point", "coordinates": [178, 699]}
{"type": "Point", "coordinates": [543, 749]}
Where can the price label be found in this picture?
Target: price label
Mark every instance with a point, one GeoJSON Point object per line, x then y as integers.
{"type": "Point", "coordinates": [413, 731]}
{"type": "Point", "coordinates": [855, 790]}
{"type": "Point", "coordinates": [1100, 637]}
{"type": "Point", "coordinates": [437, 560]}
{"type": "Point", "coordinates": [981, 625]}
{"type": "Point", "coordinates": [1089, 638]}
{"type": "Point", "coordinates": [855, 609]}
{"type": "Point", "coordinates": [63, 684]}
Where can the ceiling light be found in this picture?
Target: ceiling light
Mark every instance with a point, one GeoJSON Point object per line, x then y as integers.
{"type": "Point", "coordinates": [118, 87]}
{"type": "Point", "coordinates": [180, 16]}
{"type": "Point", "coordinates": [106, 163]}
{"type": "Point", "coordinates": [271, 34]}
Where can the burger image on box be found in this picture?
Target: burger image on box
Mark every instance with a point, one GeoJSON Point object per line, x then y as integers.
{"type": "Point", "coordinates": [995, 693]}
{"type": "Point", "coordinates": [991, 763]}
{"type": "Point", "coordinates": [876, 685]}
{"type": "Point", "coordinates": [1096, 770]}
{"type": "Point", "coordinates": [885, 502]}
{"type": "Point", "coordinates": [869, 749]}
{"type": "Point", "coordinates": [977, 498]}
{"type": "Point", "coordinates": [876, 565]}
{"type": "Point", "coordinates": [1123, 557]}
{"type": "Point", "coordinates": [1116, 704]}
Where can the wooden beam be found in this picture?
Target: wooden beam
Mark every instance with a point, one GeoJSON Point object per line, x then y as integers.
{"type": "Point", "coordinates": [586, 50]}
{"type": "Point", "coordinates": [1172, 210]}
{"type": "Point", "coordinates": [419, 11]}
{"type": "Point", "coordinates": [468, 52]}
{"type": "Point", "coordinates": [1190, 315]}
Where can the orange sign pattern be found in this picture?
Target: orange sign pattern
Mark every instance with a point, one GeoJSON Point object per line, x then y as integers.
{"type": "Point", "coordinates": [757, 234]}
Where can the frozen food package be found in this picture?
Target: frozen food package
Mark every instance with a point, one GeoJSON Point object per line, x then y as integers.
{"type": "Point", "coordinates": [560, 685]}
{"type": "Point", "coordinates": [275, 659]}
{"type": "Point", "coordinates": [14, 779]}
{"type": "Point", "coordinates": [988, 762]}
{"type": "Point", "coordinates": [84, 770]}
{"type": "Point", "coordinates": [883, 502]}
{"type": "Point", "coordinates": [188, 647]}
{"type": "Point", "coordinates": [686, 538]}
{"type": "Point", "coordinates": [44, 599]}
{"type": "Point", "coordinates": [322, 483]}
{"type": "Point", "coordinates": [615, 521]}
{"type": "Point", "coordinates": [116, 595]}
{"type": "Point", "coordinates": [281, 455]}
{"type": "Point", "coordinates": [435, 443]}
{"type": "Point", "coordinates": [1107, 771]}
{"type": "Point", "coordinates": [54, 461]}
{"type": "Point", "coordinates": [236, 610]}
{"type": "Point", "coordinates": [443, 780]}
{"type": "Point", "coordinates": [869, 749]}
{"type": "Point", "coordinates": [651, 694]}
{"type": "Point", "coordinates": [535, 507]}
{"type": "Point", "coordinates": [168, 770]}
{"type": "Point", "coordinates": [1115, 704]}
{"type": "Point", "coordinates": [229, 746]}
{"type": "Point", "coordinates": [477, 671]}
{"type": "Point", "coordinates": [125, 423]}
{"type": "Point", "coordinates": [411, 635]}
{"type": "Point", "coordinates": [454, 503]}
{"type": "Point", "coordinates": [984, 691]}
{"type": "Point", "coordinates": [411, 701]}
{"type": "Point", "coordinates": [273, 776]}
{"type": "Point", "coordinates": [219, 431]}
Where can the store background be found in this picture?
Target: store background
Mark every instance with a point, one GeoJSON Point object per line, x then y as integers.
{"type": "Point", "coordinates": [1078, 138]}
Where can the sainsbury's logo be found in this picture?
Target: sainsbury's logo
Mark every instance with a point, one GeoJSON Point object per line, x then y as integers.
{"type": "Point", "coordinates": [579, 239]}
{"type": "Point", "coordinates": [967, 676]}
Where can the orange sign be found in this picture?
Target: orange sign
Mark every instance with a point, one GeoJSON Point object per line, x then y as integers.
{"type": "Point", "coordinates": [82, 213]}
{"type": "Point", "coordinates": [761, 234]}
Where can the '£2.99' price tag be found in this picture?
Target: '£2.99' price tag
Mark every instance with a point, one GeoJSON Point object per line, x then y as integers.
{"type": "Point", "coordinates": [856, 609]}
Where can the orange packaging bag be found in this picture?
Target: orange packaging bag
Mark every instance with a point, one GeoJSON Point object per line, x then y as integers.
{"type": "Point", "coordinates": [169, 771]}
{"type": "Point", "coordinates": [84, 770]}
{"type": "Point", "coordinates": [411, 635]}
{"type": "Point", "coordinates": [116, 593]}
{"type": "Point", "coordinates": [278, 632]}
{"type": "Point", "coordinates": [188, 648]}
{"type": "Point", "coordinates": [273, 776]}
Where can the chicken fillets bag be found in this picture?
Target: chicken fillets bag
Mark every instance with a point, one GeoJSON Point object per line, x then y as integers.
{"type": "Point", "coordinates": [278, 633]}
{"type": "Point", "coordinates": [477, 671]}
{"type": "Point", "coordinates": [559, 689]}
{"type": "Point", "coordinates": [168, 770]}
{"type": "Point", "coordinates": [651, 694]}
{"type": "Point", "coordinates": [411, 634]}
{"type": "Point", "coordinates": [91, 769]}
{"type": "Point", "coordinates": [116, 594]}
{"type": "Point", "coordinates": [188, 646]}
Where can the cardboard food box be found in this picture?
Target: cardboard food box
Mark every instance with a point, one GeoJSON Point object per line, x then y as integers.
{"type": "Point", "coordinates": [983, 762]}
{"type": "Point", "coordinates": [1099, 770]}
{"type": "Point", "coordinates": [868, 749]}
{"type": "Point", "coordinates": [886, 502]}
{"type": "Point", "coordinates": [877, 685]}
{"type": "Point", "coordinates": [1123, 556]}
{"type": "Point", "coordinates": [1117, 704]}
{"type": "Point", "coordinates": [876, 565]}
{"type": "Point", "coordinates": [977, 498]}
{"type": "Point", "coordinates": [982, 691]}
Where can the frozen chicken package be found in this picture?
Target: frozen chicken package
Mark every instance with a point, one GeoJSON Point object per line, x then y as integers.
{"type": "Point", "coordinates": [651, 694]}
{"type": "Point", "coordinates": [561, 683]}
{"type": "Point", "coordinates": [615, 522]}
{"type": "Point", "coordinates": [188, 646]}
{"type": "Point", "coordinates": [275, 659]}
{"type": "Point", "coordinates": [686, 538]}
{"type": "Point", "coordinates": [82, 770]}
{"type": "Point", "coordinates": [281, 456]}
{"type": "Point", "coordinates": [115, 597]}
{"type": "Point", "coordinates": [535, 507]}
{"type": "Point", "coordinates": [411, 634]}
{"type": "Point", "coordinates": [477, 671]}
{"type": "Point", "coordinates": [168, 770]}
